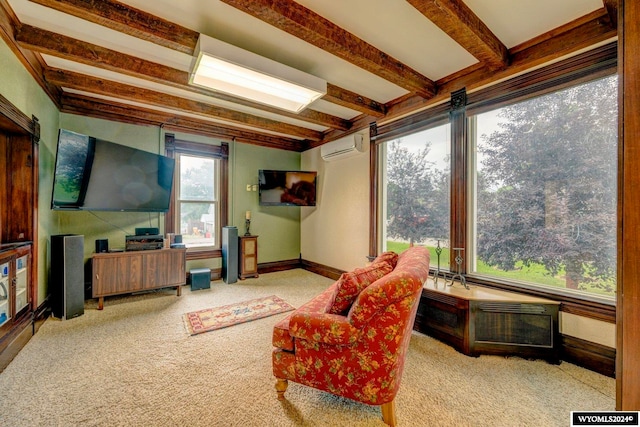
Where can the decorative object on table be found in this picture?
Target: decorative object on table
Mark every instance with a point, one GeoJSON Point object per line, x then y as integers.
{"type": "Point", "coordinates": [247, 223]}
{"type": "Point", "coordinates": [437, 273]}
{"type": "Point", "coordinates": [214, 318]}
{"type": "Point", "coordinates": [459, 274]}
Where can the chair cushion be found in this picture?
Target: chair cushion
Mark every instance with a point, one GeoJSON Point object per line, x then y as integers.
{"type": "Point", "coordinates": [352, 283]}
{"type": "Point", "coordinates": [389, 256]}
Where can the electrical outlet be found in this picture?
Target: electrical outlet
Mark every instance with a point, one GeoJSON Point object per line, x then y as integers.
{"type": "Point", "coordinates": [254, 187]}
{"type": "Point", "coordinates": [248, 187]}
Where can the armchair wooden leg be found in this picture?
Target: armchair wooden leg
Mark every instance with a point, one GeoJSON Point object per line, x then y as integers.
{"type": "Point", "coordinates": [389, 413]}
{"type": "Point", "coordinates": [281, 387]}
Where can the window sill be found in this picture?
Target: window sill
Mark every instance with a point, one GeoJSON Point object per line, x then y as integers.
{"type": "Point", "coordinates": [590, 306]}
{"type": "Point", "coordinates": [196, 253]}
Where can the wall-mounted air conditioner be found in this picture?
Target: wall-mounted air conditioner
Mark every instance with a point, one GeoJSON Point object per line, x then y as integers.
{"type": "Point", "coordinates": [343, 148]}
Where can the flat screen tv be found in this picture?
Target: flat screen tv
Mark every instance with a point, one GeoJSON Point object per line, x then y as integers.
{"type": "Point", "coordinates": [287, 188]}
{"type": "Point", "coordinates": [92, 174]}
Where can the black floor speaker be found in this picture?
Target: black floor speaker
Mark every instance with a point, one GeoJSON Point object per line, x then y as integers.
{"type": "Point", "coordinates": [67, 276]}
{"type": "Point", "coordinates": [230, 254]}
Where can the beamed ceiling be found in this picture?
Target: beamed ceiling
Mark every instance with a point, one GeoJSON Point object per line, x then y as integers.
{"type": "Point", "coordinates": [129, 60]}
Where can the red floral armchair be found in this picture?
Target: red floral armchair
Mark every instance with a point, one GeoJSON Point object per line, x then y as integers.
{"type": "Point", "coordinates": [352, 339]}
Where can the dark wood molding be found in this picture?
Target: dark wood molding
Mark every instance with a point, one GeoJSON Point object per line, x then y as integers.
{"type": "Point", "coordinates": [321, 269]}
{"type": "Point", "coordinates": [270, 267]}
{"type": "Point", "coordinates": [13, 120]}
{"type": "Point", "coordinates": [628, 295]}
{"type": "Point", "coordinates": [459, 191]}
{"type": "Point", "coordinates": [374, 192]}
{"type": "Point", "coordinates": [589, 355]}
{"type": "Point", "coordinates": [307, 25]}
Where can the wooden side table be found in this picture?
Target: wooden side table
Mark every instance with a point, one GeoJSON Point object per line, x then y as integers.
{"type": "Point", "coordinates": [248, 256]}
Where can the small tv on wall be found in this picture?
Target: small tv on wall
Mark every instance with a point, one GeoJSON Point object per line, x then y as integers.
{"type": "Point", "coordinates": [93, 174]}
{"type": "Point", "coordinates": [287, 188]}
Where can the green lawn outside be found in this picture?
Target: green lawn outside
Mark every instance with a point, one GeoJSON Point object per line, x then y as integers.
{"type": "Point", "coordinates": [535, 273]}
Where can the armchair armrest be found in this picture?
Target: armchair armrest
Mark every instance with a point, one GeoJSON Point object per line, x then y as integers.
{"type": "Point", "coordinates": [332, 329]}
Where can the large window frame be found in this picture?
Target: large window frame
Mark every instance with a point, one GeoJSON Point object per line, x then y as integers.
{"type": "Point", "coordinates": [597, 63]}
{"type": "Point", "coordinates": [174, 148]}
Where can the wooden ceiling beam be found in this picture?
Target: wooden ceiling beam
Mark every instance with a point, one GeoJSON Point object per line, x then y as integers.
{"type": "Point", "coordinates": [81, 82]}
{"type": "Point", "coordinates": [126, 19]}
{"type": "Point", "coordinates": [140, 24]}
{"type": "Point", "coordinates": [303, 23]}
{"type": "Point", "coordinates": [95, 107]}
{"type": "Point", "coordinates": [354, 101]}
{"type": "Point", "coordinates": [68, 48]}
{"type": "Point", "coordinates": [460, 23]}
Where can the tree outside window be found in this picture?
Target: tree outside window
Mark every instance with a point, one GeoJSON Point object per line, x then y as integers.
{"type": "Point", "coordinates": [546, 189]}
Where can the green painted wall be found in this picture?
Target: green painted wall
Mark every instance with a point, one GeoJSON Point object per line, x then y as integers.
{"type": "Point", "coordinates": [17, 85]}
{"type": "Point", "coordinates": [278, 227]}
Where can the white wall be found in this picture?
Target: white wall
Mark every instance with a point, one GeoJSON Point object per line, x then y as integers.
{"type": "Point", "coordinates": [335, 233]}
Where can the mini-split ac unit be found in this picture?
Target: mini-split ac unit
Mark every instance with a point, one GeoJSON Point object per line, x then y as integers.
{"type": "Point", "coordinates": [343, 148]}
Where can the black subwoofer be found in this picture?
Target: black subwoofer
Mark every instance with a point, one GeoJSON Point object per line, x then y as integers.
{"type": "Point", "coordinates": [67, 276]}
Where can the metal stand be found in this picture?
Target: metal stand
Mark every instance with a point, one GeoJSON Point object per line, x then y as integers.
{"type": "Point", "coordinates": [459, 274]}
{"type": "Point", "coordinates": [437, 273]}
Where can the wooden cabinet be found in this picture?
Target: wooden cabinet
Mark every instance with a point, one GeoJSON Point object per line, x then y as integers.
{"type": "Point", "coordinates": [15, 283]}
{"type": "Point", "coordinates": [488, 321]}
{"type": "Point", "coordinates": [248, 256]}
{"type": "Point", "coordinates": [19, 137]}
{"type": "Point", "coordinates": [117, 273]}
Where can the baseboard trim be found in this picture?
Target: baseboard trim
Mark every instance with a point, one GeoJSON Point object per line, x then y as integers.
{"type": "Point", "coordinates": [270, 267]}
{"type": "Point", "coordinates": [323, 270]}
{"type": "Point", "coordinates": [589, 355]}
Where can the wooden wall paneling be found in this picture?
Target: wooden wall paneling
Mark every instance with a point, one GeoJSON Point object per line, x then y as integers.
{"type": "Point", "coordinates": [628, 302]}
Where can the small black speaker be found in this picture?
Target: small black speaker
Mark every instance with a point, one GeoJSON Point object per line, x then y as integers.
{"type": "Point", "coordinates": [67, 276]}
{"type": "Point", "coordinates": [102, 245]}
{"type": "Point", "coordinates": [230, 254]}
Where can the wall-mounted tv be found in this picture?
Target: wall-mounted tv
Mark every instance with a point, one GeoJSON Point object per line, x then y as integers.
{"type": "Point", "coordinates": [287, 188]}
{"type": "Point", "coordinates": [92, 174]}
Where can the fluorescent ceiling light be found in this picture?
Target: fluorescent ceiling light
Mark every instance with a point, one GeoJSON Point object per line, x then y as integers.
{"type": "Point", "coordinates": [227, 68]}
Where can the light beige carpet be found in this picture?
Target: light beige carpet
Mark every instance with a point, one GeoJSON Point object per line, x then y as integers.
{"type": "Point", "coordinates": [135, 364]}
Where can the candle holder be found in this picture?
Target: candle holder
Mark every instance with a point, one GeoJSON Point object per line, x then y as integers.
{"type": "Point", "coordinates": [459, 274]}
{"type": "Point", "coordinates": [437, 273]}
{"type": "Point", "coordinates": [247, 225]}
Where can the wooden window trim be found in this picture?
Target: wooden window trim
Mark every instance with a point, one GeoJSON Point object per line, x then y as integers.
{"type": "Point", "coordinates": [174, 146]}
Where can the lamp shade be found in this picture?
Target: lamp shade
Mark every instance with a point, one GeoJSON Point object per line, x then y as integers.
{"type": "Point", "coordinates": [226, 68]}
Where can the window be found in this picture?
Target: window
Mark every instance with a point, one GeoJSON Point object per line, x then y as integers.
{"type": "Point", "coordinates": [199, 204]}
{"type": "Point", "coordinates": [416, 175]}
{"type": "Point", "coordinates": [545, 190]}
{"type": "Point", "coordinates": [197, 209]}
{"type": "Point", "coordinates": [530, 176]}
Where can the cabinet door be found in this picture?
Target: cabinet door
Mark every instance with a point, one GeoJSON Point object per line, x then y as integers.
{"type": "Point", "coordinates": [5, 291]}
{"type": "Point", "coordinates": [115, 275]}
{"type": "Point", "coordinates": [164, 268]}
{"type": "Point", "coordinates": [22, 282]}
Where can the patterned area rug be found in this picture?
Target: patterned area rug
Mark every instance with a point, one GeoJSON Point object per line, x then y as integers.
{"type": "Point", "coordinates": [214, 318]}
